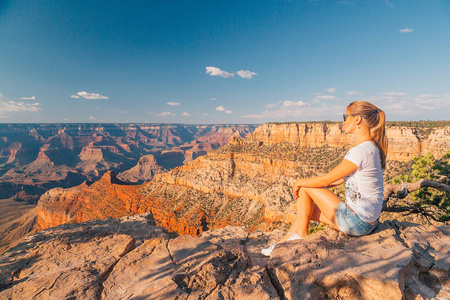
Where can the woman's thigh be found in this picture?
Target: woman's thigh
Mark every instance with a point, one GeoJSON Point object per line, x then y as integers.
{"type": "Point", "coordinates": [327, 202]}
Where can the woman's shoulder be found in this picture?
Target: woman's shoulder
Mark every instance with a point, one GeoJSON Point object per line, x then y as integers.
{"type": "Point", "coordinates": [366, 146]}
{"type": "Point", "coordinates": [363, 151]}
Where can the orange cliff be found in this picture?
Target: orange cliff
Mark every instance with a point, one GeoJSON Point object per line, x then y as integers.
{"type": "Point", "coordinates": [247, 182]}
{"type": "Point", "coordinates": [404, 142]}
{"type": "Point", "coordinates": [108, 197]}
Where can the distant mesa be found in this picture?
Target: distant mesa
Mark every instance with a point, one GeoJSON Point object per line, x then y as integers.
{"type": "Point", "coordinates": [42, 156]}
{"type": "Point", "coordinates": [146, 168]}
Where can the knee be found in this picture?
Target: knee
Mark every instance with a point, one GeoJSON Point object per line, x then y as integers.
{"type": "Point", "coordinates": [306, 191]}
{"type": "Point", "coordinates": [302, 191]}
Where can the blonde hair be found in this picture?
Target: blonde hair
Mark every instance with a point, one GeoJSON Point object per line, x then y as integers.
{"type": "Point", "coordinates": [375, 119]}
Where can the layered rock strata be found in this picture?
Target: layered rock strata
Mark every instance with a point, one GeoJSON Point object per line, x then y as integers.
{"type": "Point", "coordinates": [404, 142]}
{"type": "Point", "coordinates": [130, 258]}
{"type": "Point", "coordinates": [146, 168]}
{"type": "Point", "coordinates": [245, 182]}
{"type": "Point", "coordinates": [37, 157]}
{"type": "Point", "coordinates": [226, 187]}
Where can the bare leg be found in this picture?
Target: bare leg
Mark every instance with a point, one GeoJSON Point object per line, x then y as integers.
{"type": "Point", "coordinates": [326, 203]}
{"type": "Point", "coordinates": [294, 228]}
{"type": "Point", "coordinates": [317, 204]}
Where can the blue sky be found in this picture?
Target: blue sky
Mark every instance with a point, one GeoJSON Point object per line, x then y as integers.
{"type": "Point", "coordinates": [222, 61]}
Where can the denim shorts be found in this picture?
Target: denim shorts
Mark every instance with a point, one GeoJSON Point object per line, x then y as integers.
{"type": "Point", "coordinates": [349, 222]}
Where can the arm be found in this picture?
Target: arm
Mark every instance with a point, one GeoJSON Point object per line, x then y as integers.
{"type": "Point", "coordinates": [336, 183]}
{"type": "Point", "coordinates": [333, 177]}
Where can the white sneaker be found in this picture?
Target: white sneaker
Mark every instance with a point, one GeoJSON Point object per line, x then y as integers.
{"type": "Point", "coordinates": [267, 251]}
{"type": "Point", "coordinates": [294, 237]}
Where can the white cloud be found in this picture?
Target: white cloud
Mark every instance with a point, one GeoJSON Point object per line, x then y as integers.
{"type": "Point", "coordinates": [221, 108]}
{"type": "Point", "coordinates": [271, 105]}
{"type": "Point", "coordinates": [186, 114]}
{"type": "Point", "coordinates": [327, 97]}
{"type": "Point", "coordinates": [309, 112]}
{"type": "Point", "coordinates": [354, 93]}
{"type": "Point", "coordinates": [213, 71]}
{"type": "Point", "coordinates": [393, 94]}
{"type": "Point", "coordinates": [173, 103]}
{"type": "Point", "coordinates": [122, 112]}
{"type": "Point", "coordinates": [165, 114]}
{"type": "Point", "coordinates": [398, 106]}
{"type": "Point", "coordinates": [214, 99]}
{"type": "Point", "coordinates": [253, 117]}
{"type": "Point", "coordinates": [286, 103]}
{"type": "Point", "coordinates": [8, 106]}
{"type": "Point", "coordinates": [319, 97]}
{"type": "Point", "coordinates": [427, 96]}
{"type": "Point", "coordinates": [406, 30]}
{"type": "Point", "coordinates": [90, 96]}
{"type": "Point", "coordinates": [246, 74]}
{"type": "Point", "coordinates": [331, 90]}
{"type": "Point", "coordinates": [92, 118]}
{"type": "Point", "coordinates": [28, 98]}
{"type": "Point", "coordinates": [292, 104]}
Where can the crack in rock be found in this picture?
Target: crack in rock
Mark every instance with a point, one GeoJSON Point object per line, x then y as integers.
{"type": "Point", "coordinates": [398, 260]}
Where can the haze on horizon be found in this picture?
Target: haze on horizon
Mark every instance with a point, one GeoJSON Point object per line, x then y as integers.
{"type": "Point", "coordinates": [203, 62]}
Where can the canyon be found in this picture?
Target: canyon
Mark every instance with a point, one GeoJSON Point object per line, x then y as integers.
{"type": "Point", "coordinates": [196, 231]}
{"type": "Point", "coordinates": [37, 157]}
{"type": "Point", "coordinates": [247, 182]}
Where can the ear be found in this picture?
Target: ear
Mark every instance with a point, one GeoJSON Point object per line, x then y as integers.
{"type": "Point", "coordinates": [358, 120]}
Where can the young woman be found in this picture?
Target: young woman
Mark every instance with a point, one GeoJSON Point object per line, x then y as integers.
{"type": "Point", "coordinates": [361, 170]}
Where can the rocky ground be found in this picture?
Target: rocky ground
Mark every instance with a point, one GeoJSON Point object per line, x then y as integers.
{"type": "Point", "coordinates": [131, 258]}
{"type": "Point", "coordinates": [17, 219]}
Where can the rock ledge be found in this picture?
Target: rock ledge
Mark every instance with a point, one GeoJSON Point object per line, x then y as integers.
{"type": "Point", "coordinates": [130, 258]}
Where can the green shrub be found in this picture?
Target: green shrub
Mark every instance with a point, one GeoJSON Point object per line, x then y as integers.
{"type": "Point", "coordinates": [430, 168]}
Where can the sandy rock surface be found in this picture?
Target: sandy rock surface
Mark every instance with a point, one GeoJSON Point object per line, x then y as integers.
{"type": "Point", "coordinates": [130, 258]}
{"type": "Point", "coordinates": [397, 261]}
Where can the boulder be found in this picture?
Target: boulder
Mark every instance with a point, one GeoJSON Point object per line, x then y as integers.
{"type": "Point", "coordinates": [397, 261]}
{"type": "Point", "coordinates": [131, 258]}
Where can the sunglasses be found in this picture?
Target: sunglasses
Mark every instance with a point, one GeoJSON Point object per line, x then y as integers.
{"type": "Point", "coordinates": [353, 115]}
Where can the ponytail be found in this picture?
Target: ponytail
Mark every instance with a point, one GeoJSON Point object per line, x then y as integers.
{"type": "Point", "coordinates": [375, 119]}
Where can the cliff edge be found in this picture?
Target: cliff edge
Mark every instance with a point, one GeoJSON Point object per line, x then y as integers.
{"type": "Point", "coordinates": [131, 258]}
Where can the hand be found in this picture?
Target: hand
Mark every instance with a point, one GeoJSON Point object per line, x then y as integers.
{"type": "Point", "coordinates": [296, 189]}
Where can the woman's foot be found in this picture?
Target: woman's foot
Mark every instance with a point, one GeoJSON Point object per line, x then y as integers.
{"type": "Point", "coordinates": [267, 251]}
{"type": "Point", "coordinates": [294, 236]}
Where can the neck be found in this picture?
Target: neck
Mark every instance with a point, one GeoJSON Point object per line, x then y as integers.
{"type": "Point", "coordinates": [362, 136]}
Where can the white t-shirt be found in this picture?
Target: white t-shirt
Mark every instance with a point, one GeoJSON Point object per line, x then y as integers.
{"type": "Point", "coordinates": [364, 188]}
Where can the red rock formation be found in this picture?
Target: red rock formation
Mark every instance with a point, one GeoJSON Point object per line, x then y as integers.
{"type": "Point", "coordinates": [246, 182]}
